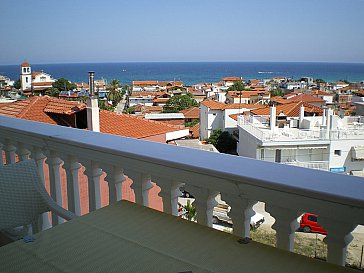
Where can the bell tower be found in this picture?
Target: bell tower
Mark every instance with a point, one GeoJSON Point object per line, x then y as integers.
{"type": "Point", "coordinates": [25, 76]}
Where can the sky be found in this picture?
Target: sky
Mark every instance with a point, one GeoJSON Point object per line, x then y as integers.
{"type": "Point", "coordinates": [78, 31]}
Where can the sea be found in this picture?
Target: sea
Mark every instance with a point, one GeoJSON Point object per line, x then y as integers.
{"type": "Point", "coordinates": [194, 72]}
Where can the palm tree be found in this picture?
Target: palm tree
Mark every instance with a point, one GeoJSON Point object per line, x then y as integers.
{"type": "Point", "coordinates": [190, 211]}
{"type": "Point", "coordinates": [114, 94]}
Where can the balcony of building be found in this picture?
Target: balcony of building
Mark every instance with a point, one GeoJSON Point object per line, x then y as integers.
{"type": "Point", "coordinates": [287, 192]}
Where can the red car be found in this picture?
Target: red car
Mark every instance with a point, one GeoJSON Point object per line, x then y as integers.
{"type": "Point", "coordinates": [309, 223]}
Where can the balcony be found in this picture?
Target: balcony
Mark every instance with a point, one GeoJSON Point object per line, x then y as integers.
{"type": "Point", "coordinates": [287, 191]}
{"type": "Point", "coordinates": [317, 165]}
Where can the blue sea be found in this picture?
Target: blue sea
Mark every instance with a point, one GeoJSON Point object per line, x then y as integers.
{"type": "Point", "coordinates": [194, 72]}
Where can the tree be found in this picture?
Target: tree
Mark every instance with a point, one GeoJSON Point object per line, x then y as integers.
{"type": "Point", "coordinates": [104, 106]}
{"type": "Point", "coordinates": [277, 92]}
{"type": "Point", "coordinates": [178, 103]}
{"type": "Point", "coordinates": [52, 92]}
{"type": "Point", "coordinates": [17, 84]}
{"type": "Point", "coordinates": [237, 86]}
{"type": "Point", "coordinates": [63, 84]}
{"type": "Point", "coordinates": [190, 211]}
{"type": "Point", "coordinates": [115, 96]}
{"type": "Point", "coordinates": [223, 141]}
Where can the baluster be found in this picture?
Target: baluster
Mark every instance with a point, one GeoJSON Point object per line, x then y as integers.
{"type": "Point", "coordinates": [204, 203]}
{"type": "Point", "coordinates": [241, 212]}
{"type": "Point", "coordinates": [337, 239]}
{"type": "Point", "coordinates": [72, 167]}
{"type": "Point", "coordinates": [141, 186]}
{"type": "Point", "coordinates": [285, 225]}
{"type": "Point", "coordinates": [169, 193]}
{"type": "Point", "coordinates": [39, 159]}
{"type": "Point", "coordinates": [115, 178]}
{"type": "Point", "coordinates": [23, 153]}
{"type": "Point", "coordinates": [93, 173]}
{"type": "Point", "coordinates": [9, 150]}
{"type": "Point", "coordinates": [54, 163]}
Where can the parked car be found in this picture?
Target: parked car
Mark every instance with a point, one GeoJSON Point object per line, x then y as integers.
{"type": "Point", "coordinates": [309, 223]}
{"type": "Point", "coordinates": [220, 214]}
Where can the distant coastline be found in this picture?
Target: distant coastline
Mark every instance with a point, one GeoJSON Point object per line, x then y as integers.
{"type": "Point", "coordinates": [195, 72]}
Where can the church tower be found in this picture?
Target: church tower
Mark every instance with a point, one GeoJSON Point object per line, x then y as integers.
{"type": "Point", "coordinates": [25, 76]}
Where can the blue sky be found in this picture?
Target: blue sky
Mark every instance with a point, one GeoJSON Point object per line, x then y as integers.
{"type": "Point", "coordinates": [49, 31]}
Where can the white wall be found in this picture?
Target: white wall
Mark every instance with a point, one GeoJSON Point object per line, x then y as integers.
{"type": "Point", "coordinates": [344, 159]}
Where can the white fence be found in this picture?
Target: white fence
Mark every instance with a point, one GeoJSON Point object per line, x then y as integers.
{"type": "Point", "coordinates": [287, 191]}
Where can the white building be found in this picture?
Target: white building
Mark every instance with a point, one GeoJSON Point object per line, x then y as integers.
{"type": "Point", "coordinates": [37, 81]}
{"type": "Point", "coordinates": [216, 115]}
{"type": "Point", "coordinates": [325, 142]}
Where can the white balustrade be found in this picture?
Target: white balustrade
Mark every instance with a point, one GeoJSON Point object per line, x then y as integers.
{"type": "Point", "coordinates": [54, 164]}
{"type": "Point", "coordinates": [286, 190]}
{"type": "Point", "coordinates": [204, 203]}
{"type": "Point", "coordinates": [169, 193]}
{"type": "Point", "coordinates": [141, 186]}
{"type": "Point", "coordinates": [93, 173]}
{"type": "Point", "coordinates": [114, 177]}
{"type": "Point", "coordinates": [72, 167]}
{"type": "Point", "coordinates": [285, 225]}
{"type": "Point", "coordinates": [241, 212]}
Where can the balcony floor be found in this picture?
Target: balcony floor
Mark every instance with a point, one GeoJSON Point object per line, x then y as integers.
{"type": "Point", "coordinates": [125, 237]}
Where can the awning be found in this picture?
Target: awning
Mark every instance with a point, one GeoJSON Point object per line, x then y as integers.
{"type": "Point", "coordinates": [296, 147]}
{"type": "Point", "coordinates": [357, 152]}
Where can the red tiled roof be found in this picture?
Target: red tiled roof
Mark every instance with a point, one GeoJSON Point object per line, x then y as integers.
{"type": "Point", "coordinates": [289, 109]}
{"type": "Point", "coordinates": [243, 105]}
{"type": "Point", "coordinates": [131, 126]}
{"type": "Point", "coordinates": [145, 82]}
{"type": "Point", "coordinates": [214, 105]}
{"type": "Point", "coordinates": [36, 109]}
{"type": "Point", "coordinates": [191, 113]}
{"type": "Point", "coordinates": [25, 64]}
{"type": "Point", "coordinates": [42, 83]}
{"type": "Point", "coordinates": [305, 98]}
{"type": "Point", "coordinates": [231, 79]}
{"type": "Point", "coordinates": [195, 131]}
{"type": "Point", "coordinates": [246, 94]}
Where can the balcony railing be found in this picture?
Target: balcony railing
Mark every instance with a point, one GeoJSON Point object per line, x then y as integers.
{"type": "Point", "coordinates": [287, 191]}
{"type": "Point", "coordinates": [317, 165]}
{"type": "Point", "coordinates": [259, 127]}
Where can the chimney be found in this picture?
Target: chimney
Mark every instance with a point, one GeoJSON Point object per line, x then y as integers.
{"type": "Point", "coordinates": [273, 113]}
{"type": "Point", "coordinates": [302, 115]}
{"type": "Point", "coordinates": [93, 116]}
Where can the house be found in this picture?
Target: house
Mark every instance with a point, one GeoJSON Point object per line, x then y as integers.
{"type": "Point", "coordinates": [229, 81]}
{"type": "Point", "coordinates": [325, 142]}
{"type": "Point", "coordinates": [177, 119]}
{"type": "Point", "coordinates": [327, 97]}
{"type": "Point", "coordinates": [215, 115]}
{"type": "Point", "coordinates": [154, 85]}
{"type": "Point", "coordinates": [248, 97]}
{"type": "Point", "coordinates": [34, 81]}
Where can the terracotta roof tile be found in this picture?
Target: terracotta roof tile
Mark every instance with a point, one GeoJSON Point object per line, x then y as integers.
{"type": "Point", "coordinates": [195, 131]}
{"type": "Point", "coordinates": [131, 126]}
{"type": "Point", "coordinates": [289, 110]}
{"type": "Point", "coordinates": [25, 64]}
{"type": "Point", "coordinates": [231, 79]}
{"type": "Point", "coordinates": [214, 105]}
{"type": "Point", "coordinates": [191, 113]}
{"type": "Point", "coordinates": [305, 98]}
{"type": "Point", "coordinates": [36, 109]}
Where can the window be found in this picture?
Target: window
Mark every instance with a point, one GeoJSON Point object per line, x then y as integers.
{"type": "Point", "coordinates": [24, 70]}
{"type": "Point", "coordinates": [337, 152]}
{"type": "Point", "coordinates": [312, 218]}
{"type": "Point", "coordinates": [278, 157]}
{"type": "Point", "coordinates": [262, 154]}
{"type": "Point", "coordinates": [26, 79]}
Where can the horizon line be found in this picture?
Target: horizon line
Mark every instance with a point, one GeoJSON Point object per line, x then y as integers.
{"type": "Point", "coordinates": [116, 62]}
